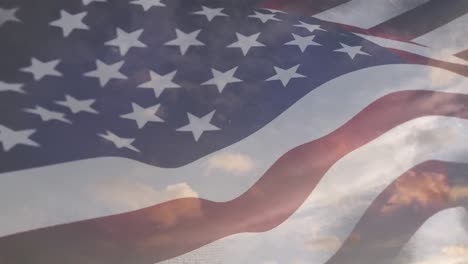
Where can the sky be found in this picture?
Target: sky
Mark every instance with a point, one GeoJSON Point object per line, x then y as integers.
{"type": "Point", "coordinates": [364, 184]}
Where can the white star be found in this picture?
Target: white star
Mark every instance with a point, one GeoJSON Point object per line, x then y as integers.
{"type": "Point", "coordinates": [199, 125]}
{"type": "Point", "coordinates": [119, 142]}
{"type": "Point", "coordinates": [126, 40]}
{"type": "Point", "coordinates": [40, 69]}
{"type": "Point", "coordinates": [309, 27]}
{"type": "Point", "coordinates": [160, 82]}
{"type": "Point", "coordinates": [352, 51]}
{"type": "Point", "coordinates": [106, 72]}
{"type": "Point", "coordinates": [11, 87]}
{"type": "Point", "coordinates": [47, 115]}
{"type": "Point", "coordinates": [303, 42]}
{"type": "Point", "coordinates": [285, 75]}
{"type": "Point", "coordinates": [271, 10]}
{"type": "Point", "coordinates": [10, 138]}
{"type": "Point", "coordinates": [77, 106]}
{"type": "Point", "coordinates": [8, 15]}
{"type": "Point", "coordinates": [69, 22]}
{"type": "Point", "coordinates": [264, 17]}
{"type": "Point", "coordinates": [185, 40]}
{"type": "Point", "coordinates": [210, 13]}
{"type": "Point", "coordinates": [143, 115]}
{"type": "Point", "coordinates": [221, 79]}
{"type": "Point", "coordinates": [147, 4]}
{"type": "Point", "coordinates": [87, 2]}
{"type": "Point", "coordinates": [246, 42]}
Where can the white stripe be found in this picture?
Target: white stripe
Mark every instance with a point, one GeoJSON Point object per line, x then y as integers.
{"type": "Point", "coordinates": [442, 239]}
{"type": "Point", "coordinates": [98, 187]}
{"type": "Point", "coordinates": [343, 195]}
{"type": "Point", "coordinates": [367, 13]}
{"type": "Point", "coordinates": [428, 52]}
{"type": "Point", "coordinates": [450, 38]}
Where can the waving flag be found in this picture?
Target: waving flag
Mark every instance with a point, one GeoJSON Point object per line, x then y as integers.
{"type": "Point", "coordinates": [202, 131]}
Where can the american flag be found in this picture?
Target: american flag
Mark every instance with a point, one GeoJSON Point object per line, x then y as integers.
{"type": "Point", "coordinates": [203, 131]}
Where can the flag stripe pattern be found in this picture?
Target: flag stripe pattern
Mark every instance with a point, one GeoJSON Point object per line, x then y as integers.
{"type": "Point", "coordinates": [172, 83]}
{"type": "Point", "coordinates": [375, 231]}
{"type": "Point", "coordinates": [366, 14]}
{"type": "Point", "coordinates": [298, 6]}
{"type": "Point", "coordinates": [384, 213]}
{"type": "Point", "coordinates": [427, 23]}
{"type": "Point", "coordinates": [99, 238]}
{"type": "Point", "coordinates": [421, 20]}
{"type": "Point", "coordinates": [455, 29]}
{"type": "Point", "coordinates": [322, 119]}
{"type": "Point", "coordinates": [463, 54]}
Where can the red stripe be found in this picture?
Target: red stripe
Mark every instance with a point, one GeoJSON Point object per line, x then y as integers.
{"type": "Point", "coordinates": [386, 228]}
{"type": "Point", "coordinates": [463, 55]}
{"type": "Point", "coordinates": [176, 227]}
{"type": "Point", "coordinates": [421, 20]}
{"type": "Point", "coordinates": [309, 7]}
{"type": "Point", "coordinates": [418, 59]}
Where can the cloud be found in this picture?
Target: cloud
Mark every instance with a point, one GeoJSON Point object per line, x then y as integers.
{"type": "Point", "coordinates": [129, 195]}
{"type": "Point", "coordinates": [459, 193]}
{"type": "Point", "coordinates": [453, 254]}
{"type": "Point", "coordinates": [328, 244]}
{"type": "Point", "coordinates": [446, 78]}
{"type": "Point", "coordinates": [441, 239]}
{"type": "Point", "coordinates": [456, 251]}
{"type": "Point", "coordinates": [231, 162]}
{"type": "Point", "coordinates": [449, 104]}
{"type": "Point", "coordinates": [422, 190]}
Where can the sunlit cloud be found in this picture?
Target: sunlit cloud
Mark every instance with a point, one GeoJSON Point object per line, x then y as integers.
{"type": "Point", "coordinates": [330, 243]}
{"type": "Point", "coordinates": [447, 78]}
{"type": "Point", "coordinates": [130, 195]}
{"type": "Point", "coordinates": [458, 193]}
{"type": "Point", "coordinates": [416, 189]}
{"type": "Point", "coordinates": [230, 162]}
{"type": "Point", "coordinates": [454, 254]}
{"type": "Point", "coordinates": [423, 190]}
{"type": "Point", "coordinates": [456, 251]}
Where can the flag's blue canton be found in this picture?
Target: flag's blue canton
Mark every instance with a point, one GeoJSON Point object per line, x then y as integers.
{"type": "Point", "coordinates": [73, 76]}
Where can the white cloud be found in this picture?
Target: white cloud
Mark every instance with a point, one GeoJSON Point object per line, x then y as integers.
{"type": "Point", "coordinates": [454, 254]}
{"type": "Point", "coordinates": [418, 189]}
{"type": "Point", "coordinates": [330, 243]}
{"type": "Point", "coordinates": [129, 195]}
{"type": "Point", "coordinates": [456, 251]}
{"type": "Point", "coordinates": [442, 239]}
{"type": "Point", "coordinates": [444, 78]}
{"type": "Point", "coordinates": [230, 162]}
